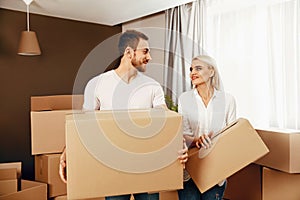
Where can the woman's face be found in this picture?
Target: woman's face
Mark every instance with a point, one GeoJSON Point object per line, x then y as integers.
{"type": "Point", "coordinates": [200, 73]}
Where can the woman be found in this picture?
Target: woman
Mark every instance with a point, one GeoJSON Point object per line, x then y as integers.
{"type": "Point", "coordinates": [206, 109]}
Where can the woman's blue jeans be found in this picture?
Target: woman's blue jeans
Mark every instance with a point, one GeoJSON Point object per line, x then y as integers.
{"type": "Point", "coordinates": [191, 192]}
{"type": "Point", "coordinates": [139, 196]}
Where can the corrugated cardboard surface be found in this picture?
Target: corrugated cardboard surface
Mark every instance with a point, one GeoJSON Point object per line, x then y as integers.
{"type": "Point", "coordinates": [279, 185]}
{"type": "Point", "coordinates": [284, 149]}
{"type": "Point", "coordinates": [246, 184]}
{"type": "Point", "coordinates": [29, 190]}
{"type": "Point", "coordinates": [8, 186]}
{"type": "Point", "coordinates": [236, 147]}
{"type": "Point", "coordinates": [89, 178]}
{"type": "Point", "coordinates": [46, 171]}
{"type": "Point", "coordinates": [8, 174]}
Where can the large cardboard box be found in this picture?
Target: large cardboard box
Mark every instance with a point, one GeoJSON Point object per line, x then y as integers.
{"type": "Point", "coordinates": [278, 185]}
{"type": "Point", "coordinates": [284, 146]}
{"type": "Point", "coordinates": [46, 171]}
{"type": "Point", "coordinates": [29, 190]}
{"type": "Point", "coordinates": [246, 184]}
{"type": "Point", "coordinates": [237, 146]}
{"type": "Point", "coordinates": [121, 152]}
{"type": "Point", "coordinates": [48, 121]}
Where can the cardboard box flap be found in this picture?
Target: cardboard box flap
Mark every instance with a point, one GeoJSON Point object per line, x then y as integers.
{"type": "Point", "coordinates": [236, 147]}
{"type": "Point", "coordinates": [26, 184]}
{"type": "Point", "coordinates": [56, 102]}
{"type": "Point", "coordinates": [279, 130]}
{"type": "Point", "coordinates": [120, 114]}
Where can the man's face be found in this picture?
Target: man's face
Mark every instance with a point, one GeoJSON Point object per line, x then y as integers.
{"type": "Point", "coordinates": [141, 56]}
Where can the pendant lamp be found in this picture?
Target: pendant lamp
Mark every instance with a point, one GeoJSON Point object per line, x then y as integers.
{"type": "Point", "coordinates": [28, 45]}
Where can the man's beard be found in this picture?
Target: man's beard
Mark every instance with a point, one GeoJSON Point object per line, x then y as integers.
{"type": "Point", "coordinates": [138, 66]}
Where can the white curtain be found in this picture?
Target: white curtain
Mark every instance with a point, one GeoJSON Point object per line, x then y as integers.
{"type": "Point", "coordinates": [257, 47]}
{"type": "Point", "coordinates": [183, 41]}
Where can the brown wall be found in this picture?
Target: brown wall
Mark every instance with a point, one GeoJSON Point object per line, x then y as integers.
{"type": "Point", "coordinates": [64, 45]}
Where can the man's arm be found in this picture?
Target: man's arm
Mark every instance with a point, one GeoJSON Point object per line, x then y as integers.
{"type": "Point", "coordinates": [63, 166]}
{"type": "Point", "coordinates": [90, 103]}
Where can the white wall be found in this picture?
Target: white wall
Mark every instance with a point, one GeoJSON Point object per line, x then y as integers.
{"type": "Point", "coordinates": [153, 26]}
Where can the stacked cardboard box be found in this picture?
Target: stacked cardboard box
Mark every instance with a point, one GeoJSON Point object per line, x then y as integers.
{"type": "Point", "coordinates": [8, 181]}
{"type": "Point", "coordinates": [281, 171]}
{"type": "Point", "coordinates": [48, 140]}
{"type": "Point", "coordinates": [46, 171]}
{"type": "Point", "coordinates": [246, 184]}
{"type": "Point", "coordinates": [10, 175]}
{"type": "Point", "coordinates": [48, 137]}
{"type": "Point", "coordinates": [279, 177]}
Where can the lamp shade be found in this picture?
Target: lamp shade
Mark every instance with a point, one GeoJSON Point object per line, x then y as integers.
{"type": "Point", "coordinates": [29, 45]}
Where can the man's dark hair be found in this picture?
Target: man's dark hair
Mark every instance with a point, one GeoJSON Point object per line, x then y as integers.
{"type": "Point", "coordinates": [130, 38]}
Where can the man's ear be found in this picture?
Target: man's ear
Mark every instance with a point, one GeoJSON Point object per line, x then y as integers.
{"type": "Point", "coordinates": [127, 52]}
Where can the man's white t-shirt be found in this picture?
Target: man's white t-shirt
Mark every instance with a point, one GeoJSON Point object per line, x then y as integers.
{"type": "Point", "coordinates": [109, 92]}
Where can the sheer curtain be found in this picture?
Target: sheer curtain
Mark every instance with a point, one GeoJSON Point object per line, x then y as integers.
{"type": "Point", "coordinates": [257, 47]}
{"type": "Point", "coordinates": [183, 41]}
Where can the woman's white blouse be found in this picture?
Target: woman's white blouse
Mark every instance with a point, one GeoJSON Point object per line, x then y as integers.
{"type": "Point", "coordinates": [199, 119]}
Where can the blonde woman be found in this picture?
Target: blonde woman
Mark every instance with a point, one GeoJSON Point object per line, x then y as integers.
{"type": "Point", "coordinates": [206, 109]}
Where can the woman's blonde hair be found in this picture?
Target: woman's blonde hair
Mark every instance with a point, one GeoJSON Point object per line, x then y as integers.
{"type": "Point", "coordinates": [215, 79]}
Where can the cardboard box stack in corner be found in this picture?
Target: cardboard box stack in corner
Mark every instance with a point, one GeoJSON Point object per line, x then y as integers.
{"type": "Point", "coordinates": [48, 137]}
{"type": "Point", "coordinates": [10, 179]}
{"type": "Point", "coordinates": [276, 175]}
{"type": "Point", "coordinates": [281, 167]}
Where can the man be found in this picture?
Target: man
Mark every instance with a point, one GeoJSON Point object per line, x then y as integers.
{"type": "Point", "coordinates": [126, 88]}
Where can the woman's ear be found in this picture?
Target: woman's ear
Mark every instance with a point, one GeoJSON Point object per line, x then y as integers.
{"type": "Point", "coordinates": [212, 73]}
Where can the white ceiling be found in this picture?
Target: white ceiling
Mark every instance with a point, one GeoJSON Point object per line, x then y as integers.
{"type": "Point", "coordinates": [106, 12]}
